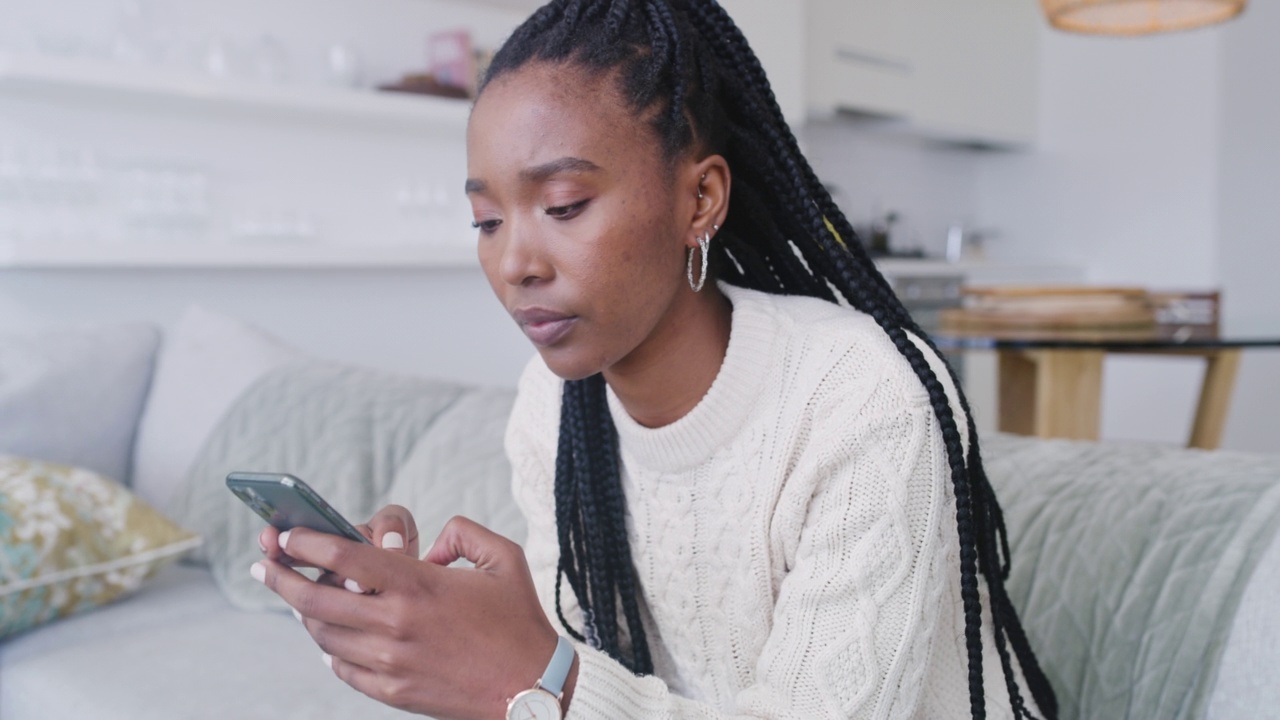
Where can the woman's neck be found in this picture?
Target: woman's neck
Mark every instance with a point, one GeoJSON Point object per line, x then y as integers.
{"type": "Point", "coordinates": [668, 375]}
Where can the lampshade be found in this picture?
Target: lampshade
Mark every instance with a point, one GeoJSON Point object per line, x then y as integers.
{"type": "Point", "coordinates": [1137, 17]}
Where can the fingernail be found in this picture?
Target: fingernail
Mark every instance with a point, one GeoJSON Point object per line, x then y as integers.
{"type": "Point", "coordinates": [393, 541]}
{"type": "Point", "coordinates": [328, 660]}
{"type": "Point", "coordinates": [261, 545]}
{"type": "Point", "coordinates": [352, 585]}
{"type": "Point", "coordinates": [297, 614]}
{"type": "Point", "coordinates": [259, 572]}
{"type": "Point", "coordinates": [284, 539]}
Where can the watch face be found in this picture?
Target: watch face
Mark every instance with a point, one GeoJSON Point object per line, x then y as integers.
{"type": "Point", "coordinates": [535, 704]}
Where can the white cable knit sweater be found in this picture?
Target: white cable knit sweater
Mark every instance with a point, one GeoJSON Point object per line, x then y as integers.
{"type": "Point", "coordinates": [794, 534]}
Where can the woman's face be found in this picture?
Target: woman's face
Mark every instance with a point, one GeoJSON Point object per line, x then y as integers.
{"type": "Point", "coordinates": [580, 223]}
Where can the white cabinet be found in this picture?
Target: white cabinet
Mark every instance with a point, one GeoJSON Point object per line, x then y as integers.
{"type": "Point", "coordinates": [860, 55]}
{"type": "Point", "coordinates": [958, 70]}
{"type": "Point", "coordinates": [977, 64]}
{"type": "Point", "coordinates": [776, 32]}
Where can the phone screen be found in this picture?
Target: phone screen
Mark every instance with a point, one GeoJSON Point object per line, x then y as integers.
{"type": "Point", "coordinates": [286, 502]}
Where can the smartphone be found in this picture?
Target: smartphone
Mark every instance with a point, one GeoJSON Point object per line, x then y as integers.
{"type": "Point", "coordinates": [286, 502]}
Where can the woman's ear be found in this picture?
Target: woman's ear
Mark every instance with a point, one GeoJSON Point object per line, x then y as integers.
{"type": "Point", "coordinates": [709, 181]}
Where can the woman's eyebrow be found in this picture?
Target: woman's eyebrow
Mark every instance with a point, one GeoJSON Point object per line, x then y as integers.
{"type": "Point", "coordinates": [538, 173]}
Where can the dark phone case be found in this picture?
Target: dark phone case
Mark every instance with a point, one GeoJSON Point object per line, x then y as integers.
{"type": "Point", "coordinates": [286, 502]}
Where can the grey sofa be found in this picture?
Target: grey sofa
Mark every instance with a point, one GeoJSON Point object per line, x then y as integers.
{"type": "Point", "coordinates": [1117, 550]}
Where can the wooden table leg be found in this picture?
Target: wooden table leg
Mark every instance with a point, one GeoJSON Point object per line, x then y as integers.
{"type": "Point", "coordinates": [1051, 393]}
{"type": "Point", "coordinates": [1017, 392]}
{"type": "Point", "coordinates": [1215, 398]}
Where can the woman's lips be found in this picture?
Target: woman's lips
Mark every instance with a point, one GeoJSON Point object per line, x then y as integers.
{"type": "Point", "coordinates": [544, 327]}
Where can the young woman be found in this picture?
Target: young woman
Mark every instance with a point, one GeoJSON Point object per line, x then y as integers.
{"type": "Point", "coordinates": [752, 486]}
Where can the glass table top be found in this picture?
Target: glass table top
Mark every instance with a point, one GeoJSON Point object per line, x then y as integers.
{"type": "Point", "coordinates": [1261, 333]}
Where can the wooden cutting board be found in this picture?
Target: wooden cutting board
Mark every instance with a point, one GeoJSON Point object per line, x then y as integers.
{"type": "Point", "coordinates": [1067, 307]}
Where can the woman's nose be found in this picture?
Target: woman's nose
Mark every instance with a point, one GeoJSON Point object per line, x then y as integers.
{"type": "Point", "coordinates": [523, 260]}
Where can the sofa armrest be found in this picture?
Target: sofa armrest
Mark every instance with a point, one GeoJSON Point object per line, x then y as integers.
{"type": "Point", "coordinates": [1247, 680]}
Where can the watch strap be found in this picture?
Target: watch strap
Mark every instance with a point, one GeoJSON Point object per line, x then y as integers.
{"type": "Point", "coordinates": [558, 669]}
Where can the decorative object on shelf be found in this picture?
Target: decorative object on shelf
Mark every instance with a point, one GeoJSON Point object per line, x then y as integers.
{"type": "Point", "coordinates": [343, 65]}
{"type": "Point", "coordinates": [453, 70]}
{"type": "Point", "coordinates": [425, 84]}
{"type": "Point", "coordinates": [272, 59]}
{"type": "Point", "coordinates": [1137, 17]}
{"type": "Point", "coordinates": [276, 226]}
{"type": "Point", "coordinates": [450, 60]}
{"type": "Point", "coordinates": [51, 194]}
{"type": "Point", "coordinates": [220, 58]}
{"type": "Point", "coordinates": [134, 40]}
{"type": "Point", "coordinates": [163, 202]}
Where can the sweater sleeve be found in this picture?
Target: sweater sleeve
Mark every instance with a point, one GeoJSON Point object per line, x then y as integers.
{"type": "Point", "coordinates": [854, 619]}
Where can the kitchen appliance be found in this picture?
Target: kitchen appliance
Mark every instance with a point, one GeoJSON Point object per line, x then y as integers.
{"type": "Point", "coordinates": [926, 296]}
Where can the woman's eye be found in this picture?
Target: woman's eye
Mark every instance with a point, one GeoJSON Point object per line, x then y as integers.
{"type": "Point", "coordinates": [488, 227]}
{"type": "Point", "coordinates": [565, 212]}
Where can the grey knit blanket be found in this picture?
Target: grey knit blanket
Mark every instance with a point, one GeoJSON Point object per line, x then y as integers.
{"type": "Point", "coordinates": [1129, 562]}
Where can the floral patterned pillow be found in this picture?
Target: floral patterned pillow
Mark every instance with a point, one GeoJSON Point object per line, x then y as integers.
{"type": "Point", "coordinates": [71, 540]}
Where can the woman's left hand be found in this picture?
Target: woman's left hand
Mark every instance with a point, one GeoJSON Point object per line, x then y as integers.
{"type": "Point", "coordinates": [451, 642]}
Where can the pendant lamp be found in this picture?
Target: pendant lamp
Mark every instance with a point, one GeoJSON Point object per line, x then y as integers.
{"type": "Point", "coordinates": [1137, 17]}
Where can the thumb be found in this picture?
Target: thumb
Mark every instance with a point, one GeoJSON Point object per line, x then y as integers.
{"type": "Point", "coordinates": [465, 539]}
{"type": "Point", "coordinates": [393, 528]}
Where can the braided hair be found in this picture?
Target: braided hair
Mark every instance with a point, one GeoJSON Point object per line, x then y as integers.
{"type": "Point", "coordinates": [685, 65]}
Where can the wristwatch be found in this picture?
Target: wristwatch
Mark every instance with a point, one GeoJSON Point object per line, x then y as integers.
{"type": "Point", "coordinates": [542, 701]}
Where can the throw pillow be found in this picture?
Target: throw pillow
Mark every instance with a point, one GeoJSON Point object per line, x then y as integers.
{"type": "Point", "coordinates": [459, 467]}
{"type": "Point", "coordinates": [74, 397]}
{"type": "Point", "coordinates": [204, 365]}
{"type": "Point", "coordinates": [71, 540]}
{"type": "Point", "coordinates": [362, 439]}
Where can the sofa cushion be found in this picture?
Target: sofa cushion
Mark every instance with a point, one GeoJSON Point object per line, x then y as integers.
{"type": "Point", "coordinates": [74, 397]}
{"type": "Point", "coordinates": [204, 365]}
{"type": "Point", "coordinates": [176, 649]}
{"type": "Point", "coordinates": [71, 540]}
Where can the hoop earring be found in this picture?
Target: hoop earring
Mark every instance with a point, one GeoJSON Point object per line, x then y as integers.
{"type": "Point", "coordinates": [704, 244]}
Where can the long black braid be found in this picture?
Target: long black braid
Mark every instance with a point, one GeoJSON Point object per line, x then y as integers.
{"type": "Point", "coordinates": [689, 62]}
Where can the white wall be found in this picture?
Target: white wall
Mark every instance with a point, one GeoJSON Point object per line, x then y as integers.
{"type": "Point", "coordinates": [1248, 221]}
{"type": "Point", "coordinates": [1122, 177]}
{"type": "Point", "coordinates": [1122, 182]}
{"type": "Point", "coordinates": [875, 167]}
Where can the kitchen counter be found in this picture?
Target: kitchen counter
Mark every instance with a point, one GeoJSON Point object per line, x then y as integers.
{"type": "Point", "coordinates": [981, 272]}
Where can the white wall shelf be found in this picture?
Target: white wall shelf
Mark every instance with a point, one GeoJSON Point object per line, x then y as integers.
{"type": "Point", "coordinates": [49, 78]}
{"type": "Point", "coordinates": [232, 256]}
